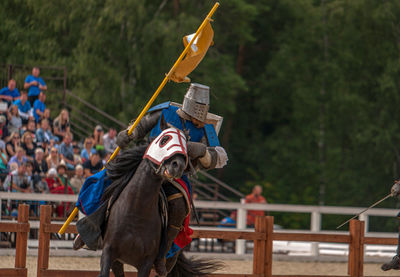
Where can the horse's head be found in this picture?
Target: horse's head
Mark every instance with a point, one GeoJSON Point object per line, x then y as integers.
{"type": "Point", "coordinates": [168, 152]}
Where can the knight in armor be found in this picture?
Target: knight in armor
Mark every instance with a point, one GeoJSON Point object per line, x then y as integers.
{"type": "Point", "coordinates": [201, 131]}
{"type": "Point", "coordinates": [395, 262]}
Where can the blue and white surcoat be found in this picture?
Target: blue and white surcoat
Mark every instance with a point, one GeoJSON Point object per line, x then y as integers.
{"type": "Point", "coordinates": [195, 134]}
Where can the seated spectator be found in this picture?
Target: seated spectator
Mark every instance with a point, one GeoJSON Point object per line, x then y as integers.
{"type": "Point", "coordinates": [46, 115]}
{"type": "Point", "coordinates": [29, 171]}
{"type": "Point", "coordinates": [14, 120]}
{"type": "Point", "coordinates": [19, 157]}
{"type": "Point", "coordinates": [3, 163]}
{"type": "Point", "coordinates": [98, 140]}
{"type": "Point", "coordinates": [39, 106]}
{"type": "Point", "coordinates": [34, 84]}
{"type": "Point", "coordinates": [255, 197]}
{"type": "Point", "coordinates": [28, 145]}
{"type": "Point", "coordinates": [61, 172]}
{"type": "Point", "coordinates": [87, 149]}
{"type": "Point", "coordinates": [43, 134]}
{"type": "Point", "coordinates": [31, 129]}
{"type": "Point", "coordinates": [13, 144]}
{"type": "Point", "coordinates": [9, 93]}
{"type": "Point", "coordinates": [53, 160]}
{"type": "Point", "coordinates": [12, 166]}
{"type": "Point", "coordinates": [110, 141]}
{"type": "Point", "coordinates": [39, 164]}
{"type": "Point", "coordinates": [51, 178]}
{"type": "Point", "coordinates": [77, 156]}
{"type": "Point", "coordinates": [24, 107]}
{"type": "Point", "coordinates": [57, 180]}
{"type": "Point", "coordinates": [40, 184]}
{"type": "Point", "coordinates": [4, 134]}
{"type": "Point", "coordinates": [78, 179]}
{"type": "Point", "coordinates": [18, 181]}
{"type": "Point", "coordinates": [93, 165]}
{"type": "Point", "coordinates": [62, 186]}
{"type": "Point", "coordinates": [229, 221]}
{"type": "Point", "coordinates": [61, 124]}
{"type": "Point", "coordinates": [67, 151]}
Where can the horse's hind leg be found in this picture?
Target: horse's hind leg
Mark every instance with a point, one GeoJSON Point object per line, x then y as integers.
{"type": "Point", "coordinates": [105, 262]}
{"type": "Point", "coordinates": [118, 269]}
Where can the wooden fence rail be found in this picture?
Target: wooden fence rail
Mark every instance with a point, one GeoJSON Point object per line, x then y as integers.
{"type": "Point", "coordinates": [21, 228]}
{"type": "Point", "coordinates": [263, 236]}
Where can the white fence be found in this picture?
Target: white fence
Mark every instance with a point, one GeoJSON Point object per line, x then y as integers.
{"type": "Point", "coordinates": [242, 208]}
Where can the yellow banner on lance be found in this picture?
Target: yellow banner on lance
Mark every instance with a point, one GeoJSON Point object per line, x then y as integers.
{"type": "Point", "coordinates": [195, 54]}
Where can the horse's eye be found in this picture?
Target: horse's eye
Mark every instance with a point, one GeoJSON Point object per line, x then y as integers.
{"type": "Point", "coordinates": [164, 140]}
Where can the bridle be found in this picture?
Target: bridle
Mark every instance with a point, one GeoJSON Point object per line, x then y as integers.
{"type": "Point", "coordinates": [167, 144]}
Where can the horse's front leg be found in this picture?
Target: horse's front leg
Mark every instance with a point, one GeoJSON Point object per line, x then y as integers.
{"type": "Point", "coordinates": [145, 268]}
{"type": "Point", "coordinates": [105, 262]}
{"type": "Point", "coordinates": [118, 269]}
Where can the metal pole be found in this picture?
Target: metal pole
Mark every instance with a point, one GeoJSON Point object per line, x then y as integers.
{"type": "Point", "coordinates": [315, 227]}
{"type": "Point", "coordinates": [241, 224]}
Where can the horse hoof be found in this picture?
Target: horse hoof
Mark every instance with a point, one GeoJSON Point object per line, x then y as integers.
{"type": "Point", "coordinates": [393, 264]}
{"type": "Point", "coordinates": [78, 243]}
{"type": "Point", "coordinates": [159, 267]}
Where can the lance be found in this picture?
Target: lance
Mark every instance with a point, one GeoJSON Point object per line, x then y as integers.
{"type": "Point", "coordinates": [363, 211]}
{"type": "Point", "coordinates": [152, 99]}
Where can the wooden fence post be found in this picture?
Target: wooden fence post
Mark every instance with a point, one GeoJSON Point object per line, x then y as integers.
{"type": "Point", "coordinates": [259, 246]}
{"type": "Point", "coordinates": [262, 255]}
{"type": "Point", "coordinates": [356, 249]}
{"type": "Point", "coordinates": [268, 246]}
{"type": "Point", "coordinates": [22, 237]}
{"type": "Point", "coordinates": [44, 239]}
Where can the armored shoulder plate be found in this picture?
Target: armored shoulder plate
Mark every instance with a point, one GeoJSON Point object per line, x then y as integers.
{"type": "Point", "coordinates": [212, 136]}
{"type": "Point", "coordinates": [159, 107]}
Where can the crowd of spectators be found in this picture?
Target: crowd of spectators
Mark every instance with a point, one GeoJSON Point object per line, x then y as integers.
{"type": "Point", "coordinates": [39, 154]}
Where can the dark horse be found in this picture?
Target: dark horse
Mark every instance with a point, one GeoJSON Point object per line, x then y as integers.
{"type": "Point", "coordinates": [134, 231]}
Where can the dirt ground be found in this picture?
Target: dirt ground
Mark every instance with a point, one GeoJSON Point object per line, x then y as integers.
{"type": "Point", "coordinates": [231, 266]}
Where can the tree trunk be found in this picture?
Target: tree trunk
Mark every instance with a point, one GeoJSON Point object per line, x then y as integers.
{"type": "Point", "coordinates": [176, 7]}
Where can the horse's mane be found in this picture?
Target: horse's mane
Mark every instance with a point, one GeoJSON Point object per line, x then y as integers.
{"type": "Point", "coordinates": [121, 169]}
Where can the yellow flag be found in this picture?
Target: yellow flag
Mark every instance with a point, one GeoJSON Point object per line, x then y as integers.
{"type": "Point", "coordinates": [195, 54]}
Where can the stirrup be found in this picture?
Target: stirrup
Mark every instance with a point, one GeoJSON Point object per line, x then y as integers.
{"type": "Point", "coordinates": [393, 264]}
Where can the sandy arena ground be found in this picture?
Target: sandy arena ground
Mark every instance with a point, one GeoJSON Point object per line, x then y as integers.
{"type": "Point", "coordinates": [232, 266]}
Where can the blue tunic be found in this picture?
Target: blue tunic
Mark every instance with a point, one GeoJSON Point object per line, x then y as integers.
{"type": "Point", "coordinates": [195, 134]}
{"type": "Point", "coordinates": [171, 117]}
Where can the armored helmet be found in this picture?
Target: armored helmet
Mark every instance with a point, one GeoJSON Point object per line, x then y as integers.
{"type": "Point", "coordinates": [197, 101]}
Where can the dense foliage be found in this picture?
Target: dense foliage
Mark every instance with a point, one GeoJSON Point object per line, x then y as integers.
{"type": "Point", "coordinates": [309, 89]}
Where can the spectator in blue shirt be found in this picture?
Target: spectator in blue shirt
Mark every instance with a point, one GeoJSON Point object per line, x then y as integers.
{"type": "Point", "coordinates": [39, 106]}
{"type": "Point", "coordinates": [43, 134]}
{"type": "Point", "coordinates": [87, 149]}
{"type": "Point", "coordinates": [35, 84]}
{"type": "Point", "coordinates": [9, 93]}
{"type": "Point", "coordinates": [19, 157]}
{"type": "Point", "coordinates": [24, 107]}
{"type": "Point", "coordinates": [66, 151]}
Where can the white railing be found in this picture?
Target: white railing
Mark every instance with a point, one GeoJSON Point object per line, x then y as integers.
{"type": "Point", "coordinates": [241, 208]}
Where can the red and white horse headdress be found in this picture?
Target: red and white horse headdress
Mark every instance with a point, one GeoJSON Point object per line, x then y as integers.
{"type": "Point", "coordinates": [170, 142]}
